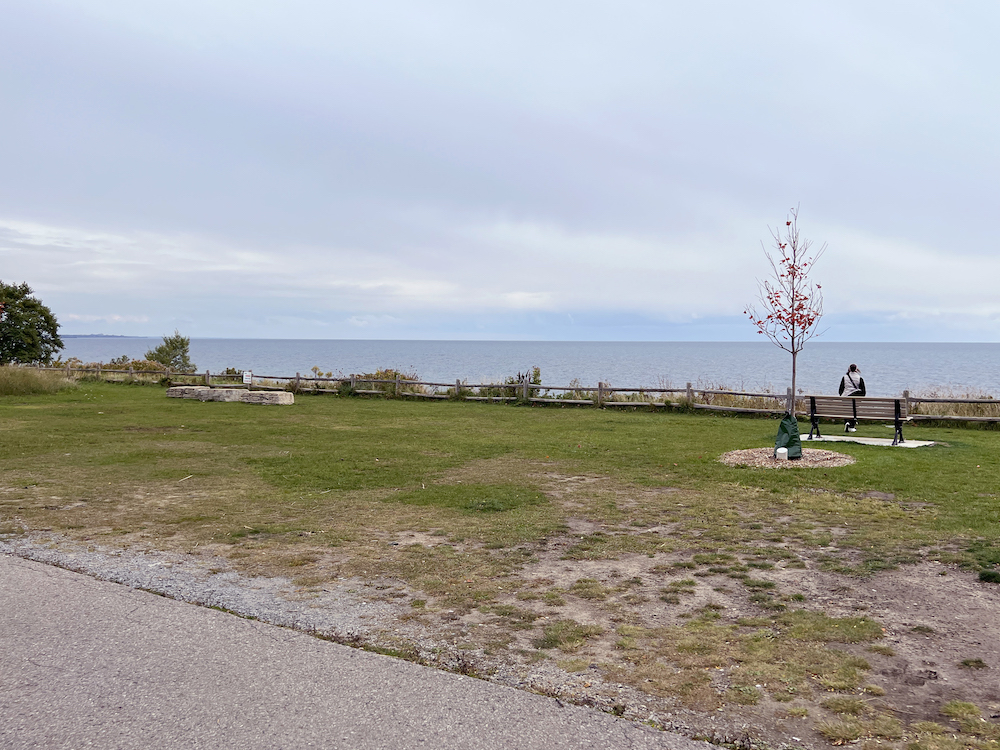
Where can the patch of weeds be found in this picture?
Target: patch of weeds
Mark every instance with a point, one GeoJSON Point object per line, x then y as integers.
{"type": "Point", "coordinates": [566, 635]}
{"type": "Point", "coordinates": [960, 710]}
{"type": "Point", "coordinates": [982, 729]}
{"type": "Point", "coordinates": [745, 695]}
{"type": "Point", "coordinates": [873, 690]}
{"type": "Point", "coordinates": [928, 727]}
{"type": "Point", "coordinates": [669, 597]}
{"type": "Point", "coordinates": [882, 649]}
{"type": "Point", "coordinates": [760, 565]}
{"type": "Point", "coordinates": [841, 731]}
{"type": "Point", "coordinates": [713, 558]}
{"type": "Point", "coordinates": [589, 588]}
{"type": "Point", "coordinates": [816, 626]}
{"type": "Point", "coordinates": [511, 616]}
{"type": "Point", "coordinates": [685, 585]}
{"type": "Point", "coordinates": [754, 583]}
{"type": "Point", "coordinates": [797, 712]}
{"type": "Point", "coordinates": [843, 704]}
{"type": "Point", "coordinates": [573, 665]}
{"type": "Point", "coordinates": [983, 554]}
{"type": "Point", "coordinates": [847, 677]}
{"type": "Point", "coordinates": [922, 629]}
{"type": "Point", "coordinates": [797, 598]}
{"type": "Point", "coordinates": [885, 726]}
{"type": "Point", "coordinates": [603, 546]}
{"type": "Point", "coordinates": [528, 596]}
{"type": "Point", "coordinates": [553, 599]}
{"type": "Point", "coordinates": [472, 498]}
{"type": "Point", "coordinates": [973, 664]}
{"type": "Point", "coordinates": [989, 576]}
{"type": "Point", "coordinates": [766, 601]}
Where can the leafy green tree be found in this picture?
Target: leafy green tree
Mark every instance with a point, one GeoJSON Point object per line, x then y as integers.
{"type": "Point", "coordinates": [29, 332]}
{"type": "Point", "coordinates": [174, 353]}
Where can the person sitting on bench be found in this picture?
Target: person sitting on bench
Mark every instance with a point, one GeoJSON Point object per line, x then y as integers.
{"type": "Point", "coordinates": [852, 384]}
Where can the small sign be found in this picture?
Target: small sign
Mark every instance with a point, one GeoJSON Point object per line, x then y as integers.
{"type": "Point", "coordinates": [247, 377]}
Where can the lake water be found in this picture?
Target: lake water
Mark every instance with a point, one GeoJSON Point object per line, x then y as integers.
{"type": "Point", "coordinates": [888, 369]}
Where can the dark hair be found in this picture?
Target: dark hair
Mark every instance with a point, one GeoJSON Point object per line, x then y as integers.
{"type": "Point", "coordinates": [852, 368]}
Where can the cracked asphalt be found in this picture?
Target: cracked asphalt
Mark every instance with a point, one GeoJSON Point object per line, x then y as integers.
{"type": "Point", "coordinates": [91, 664]}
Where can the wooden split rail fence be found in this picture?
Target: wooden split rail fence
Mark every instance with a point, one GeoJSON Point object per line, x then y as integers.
{"type": "Point", "coordinates": [602, 396]}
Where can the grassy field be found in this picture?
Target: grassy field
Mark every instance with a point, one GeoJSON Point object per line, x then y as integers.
{"type": "Point", "coordinates": [328, 488]}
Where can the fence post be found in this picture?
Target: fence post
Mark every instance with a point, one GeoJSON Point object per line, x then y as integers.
{"type": "Point", "coordinates": [131, 373]}
{"type": "Point", "coordinates": [906, 400]}
{"type": "Point", "coordinates": [458, 388]}
{"type": "Point", "coordinates": [690, 395]}
{"type": "Point", "coordinates": [99, 372]}
{"type": "Point", "coordinates": [600, 393]}
{"type": "Point", "coordinates": [297, 378]}
{"type": "Point", "coordinates": [67, 369]}
{"type": "Point", "coordinates": [352, 382]}
{"type": "Point", "coordinates": [524, 389]}
{"type": "Point", "coordinates": [790, 400]}
{"type": "Point", "coordinates": [208, 379]}
{"type": "Point", "coordinates": [397, 385]}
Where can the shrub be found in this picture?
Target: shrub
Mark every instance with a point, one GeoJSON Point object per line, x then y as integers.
{"type": "Point", "coordinates": [174, 353]}
{"type": "Point", "coordinates": [388, 388]}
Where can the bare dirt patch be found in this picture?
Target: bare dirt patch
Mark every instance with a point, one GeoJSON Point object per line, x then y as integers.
{"type": "Point", "coordinates": [936, 620]}
{"type": "Point", "coordinates": [812, 458]}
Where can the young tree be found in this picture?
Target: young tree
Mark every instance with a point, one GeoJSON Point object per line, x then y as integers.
{"type": "Point", "coordinates": [29, 332]}
{"type": "Point", "coordinates": [174, 353]}
{"type": "Point", "coordinates": [790, 305]}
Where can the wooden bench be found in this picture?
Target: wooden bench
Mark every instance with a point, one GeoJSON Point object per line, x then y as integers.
{"type": "Point", "coordinates": [858, 407]}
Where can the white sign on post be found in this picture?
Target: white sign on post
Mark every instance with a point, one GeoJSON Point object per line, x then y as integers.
{"type": "Point", "coordinates": [247, 377]}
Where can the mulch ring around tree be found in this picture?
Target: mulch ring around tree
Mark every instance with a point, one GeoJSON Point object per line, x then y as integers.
{"type": "Point", "coordinates": [812, 458]}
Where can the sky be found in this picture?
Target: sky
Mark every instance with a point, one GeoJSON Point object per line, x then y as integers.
{"type": "Point", "coordinates": [518, 170]}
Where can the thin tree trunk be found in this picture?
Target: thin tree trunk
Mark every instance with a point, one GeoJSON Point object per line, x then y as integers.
{"type": "Point", "coordinates": [792, 405]}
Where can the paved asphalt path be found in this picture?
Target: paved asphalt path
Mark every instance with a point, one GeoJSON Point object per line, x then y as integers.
{"type": "Point", "coordinates": [91, 664]}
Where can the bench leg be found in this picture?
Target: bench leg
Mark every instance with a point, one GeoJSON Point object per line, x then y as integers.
{"type": "Point", "coordinates": [814, 426]}
{"type": "Point", "coordinates": [897, 438]}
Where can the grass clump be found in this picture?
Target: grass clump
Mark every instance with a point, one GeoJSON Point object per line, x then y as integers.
{"type": "Point", "coordinates": [589, 588]}
{"type": "Point", "coordinates": [27, 381]}
{"type": "Point", "coordinates": [841, 731]}
{"type": "Point", "coordinates": [843, 704]}
{"type": "Point", "coordinates": [973, 664]}
{"type": "Point", "coordinates": [566, 635]}
{"type": "Point", "coordinates": [960, 710]}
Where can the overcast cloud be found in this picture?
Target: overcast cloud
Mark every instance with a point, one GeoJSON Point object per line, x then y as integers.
{"type": "Point", "coordinates": [560, 170]}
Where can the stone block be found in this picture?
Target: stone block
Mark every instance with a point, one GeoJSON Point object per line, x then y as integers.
{"type": "Point", "coordinates": [222, 394]}
{"type": "Point", "coordinates": [186, 391]}
{"type": "Point", "coordinates": [278, 398]}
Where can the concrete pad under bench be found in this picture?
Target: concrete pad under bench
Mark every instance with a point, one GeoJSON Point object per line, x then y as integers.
{"type": "Point", "coordinates": [277, 398]}
{"type": "Point", "coordinates": [867, 441]}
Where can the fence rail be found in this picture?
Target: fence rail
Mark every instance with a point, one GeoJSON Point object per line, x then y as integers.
{"type": "Point", "coordinates": [602, 395]}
